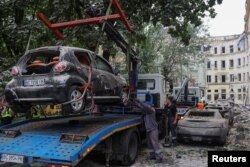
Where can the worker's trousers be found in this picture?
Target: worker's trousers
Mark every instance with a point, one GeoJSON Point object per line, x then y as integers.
{"type": "Point", "coordinates": [153, 144]}
{"type": "Point", "coordinates": [170, 127]}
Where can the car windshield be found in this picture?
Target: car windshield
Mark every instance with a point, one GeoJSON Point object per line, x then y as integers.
{"type": "Point", "coordinates": [200, 114]}
{"type": "Point", "coordinates": [39, 62]}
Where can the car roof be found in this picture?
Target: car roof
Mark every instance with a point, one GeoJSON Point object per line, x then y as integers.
{"type": "Point", "coordinates": [59, 47]}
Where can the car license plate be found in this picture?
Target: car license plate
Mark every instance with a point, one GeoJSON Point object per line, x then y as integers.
{"type": "Point", "coordinates": [36, 82]}
{"type": "Point", "coordinates": [196, 138]}
{"type": "Point", "coordinates": [12, 158]}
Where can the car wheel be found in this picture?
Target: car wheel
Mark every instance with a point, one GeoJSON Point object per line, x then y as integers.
{"type": "Point", "coordinates": [75, 107]}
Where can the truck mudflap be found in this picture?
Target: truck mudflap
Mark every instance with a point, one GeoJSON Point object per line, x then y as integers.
{"type": "Point", "coordinates": [55, 142]}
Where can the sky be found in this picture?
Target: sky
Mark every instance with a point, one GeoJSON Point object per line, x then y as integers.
{"type": "Point", "coordinates": [229, 19]}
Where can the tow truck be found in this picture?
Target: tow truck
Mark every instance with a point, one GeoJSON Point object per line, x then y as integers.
{"type": "Point", "coordinates": [64, 141]}
{"type": "Point", "coordinates": [186, 97]}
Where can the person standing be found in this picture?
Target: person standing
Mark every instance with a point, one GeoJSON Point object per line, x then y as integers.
{"type": "Point", "coordinates": [151, 127]}
{"type": "Point", "coordinates": [171, 122]}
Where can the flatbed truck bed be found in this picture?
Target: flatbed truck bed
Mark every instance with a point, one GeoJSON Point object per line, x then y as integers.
{"type": "Point", "coordinates": [60, 141]}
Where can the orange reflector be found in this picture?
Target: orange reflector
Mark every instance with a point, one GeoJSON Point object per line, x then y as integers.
{"type": "Point", "coordinates": [54, 165]}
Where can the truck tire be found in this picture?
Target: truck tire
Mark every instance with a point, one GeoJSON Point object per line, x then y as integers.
{"type": "Point", "coordinates": [131, 142]}
{"type": "Point", "coordinates": [75, 107]}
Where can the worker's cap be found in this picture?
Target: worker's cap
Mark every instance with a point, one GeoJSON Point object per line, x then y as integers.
{"type": "Point", "coordinates": [148, 103]}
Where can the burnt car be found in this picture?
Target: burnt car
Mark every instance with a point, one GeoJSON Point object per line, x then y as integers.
{"type": "Point", "coordinates": [207, 126]}
{"type": "Point", "coordinates": [55, 75]}
{"type": "Point", "coordinates": [225, 111]}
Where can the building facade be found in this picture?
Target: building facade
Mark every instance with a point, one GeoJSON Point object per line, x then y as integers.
{"type": "Point", "coordinates": [227, 68]}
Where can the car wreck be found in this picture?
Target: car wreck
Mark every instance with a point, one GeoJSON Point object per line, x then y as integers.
{"type": "Point", "coordinates": [207, 125]}
{"type": "Point", "coordinates": [55, 75]}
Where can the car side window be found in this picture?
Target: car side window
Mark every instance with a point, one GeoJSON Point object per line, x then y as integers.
{"type": "Point", "coordinates": [103, 65]}
{"type": "Point", "coordinates": [82, 57]}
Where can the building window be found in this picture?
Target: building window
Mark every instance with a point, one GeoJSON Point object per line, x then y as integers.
{"type": "Point", "coordinates": [231, 62]}
{"type": "Point", "coordinates": [223, 94]}
{"type": "Point", "coordinates": [231, 78]}
{"type": "Point", "coordinates": [209, 97]}
{"type": "Point", "coordinates": [244, 77]}
{"type": "Point", "coordinates": [215, 64]}
{"type": "Point", "coordinates": [239, 62]}
{"type": "Point", "coordinates": [244, 61]}
{"type": "Point", "coordinates": [216, 90]}
{"type": "Point", "coordinates": [231, 48]}
{"type": "Point", "coordinates": [209, 79]}
{"type": "Point", "coordinates": [216, 96]}
{"type": "Point", "coordinates": [208, 65]}
{"type": "Point", "coordinates": [239, 77]}
{"type": "Point", "coordinates": [239, 49]}
{"type": "Point", "coordinates": [223, 78]}
{"type": "Point", "coordinates": [223, 64]}
{"type": "Point", "coordinates": [247, 60]}
{"type": "Point", "coordinates": [209, 90]}
{"type": "Point", "coordinates": [247, 76]}
{"type": "Point", "coordinates": [216, 79]}
{"type": "Point", "coordinates": [239, 90]}
{"type": "Point", "coordinates": [223, 49]}
{"type": "Point", "coordinates": [239, 97]}
{"type": "Point", "coordinates": [215, 50]}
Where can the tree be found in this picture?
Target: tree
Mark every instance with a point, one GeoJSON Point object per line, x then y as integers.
{"type": "Point", "coordinates": [19, 27]}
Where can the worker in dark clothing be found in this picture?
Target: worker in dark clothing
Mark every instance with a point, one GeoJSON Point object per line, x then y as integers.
{"type": "Point", "coordinates": [171, 121]}
{"type": "Point", "coordinates": [151, 129]}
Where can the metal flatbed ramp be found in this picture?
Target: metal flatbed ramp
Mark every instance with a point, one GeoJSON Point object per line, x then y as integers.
{"type": "Point", "coordinates": [63, 141]}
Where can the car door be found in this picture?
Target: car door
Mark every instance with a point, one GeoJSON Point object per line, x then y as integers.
{"type": "Point", "coordinates": [107, 77]}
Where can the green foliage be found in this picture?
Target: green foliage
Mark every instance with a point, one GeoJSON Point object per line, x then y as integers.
{"type": "Point", "coordinates": [20, 28]}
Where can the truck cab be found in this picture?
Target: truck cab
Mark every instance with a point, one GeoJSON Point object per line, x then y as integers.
{"type": "Point", "coordinates": [153, 84]}
{"type": "Point", "coordinates": [193, 96]}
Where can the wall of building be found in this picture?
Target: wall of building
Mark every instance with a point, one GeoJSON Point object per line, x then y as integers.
{"type": "Point", "coordinates": [227, 68]}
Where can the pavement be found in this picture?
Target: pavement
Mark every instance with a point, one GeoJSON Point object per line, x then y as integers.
{"type": "Point", "coordinates": [187, 154]}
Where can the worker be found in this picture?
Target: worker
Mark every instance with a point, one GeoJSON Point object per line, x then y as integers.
{"type": "Point", "coordinates": [200, 105]}
{"type": "Point", "coordinates": [7, 114]}
{"type": "Point", "coordinates": [171, 122]}
{"type": "Point", "coordinates": [151, 130]}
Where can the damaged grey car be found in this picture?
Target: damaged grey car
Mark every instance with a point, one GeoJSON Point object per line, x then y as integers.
{"type": "Point", "coordinates": [207, 125]}
{"type": "Point", "coordinates": [55, 75]}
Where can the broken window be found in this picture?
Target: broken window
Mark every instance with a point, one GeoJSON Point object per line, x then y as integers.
{"type": "Point", "coordinates": [223, 49]}
{"type": "Point", "coordinates": [215, 50]}
{"type": "Point", "coordinates": [239, 77]}
{"type": "Point", "coordinates": [231, 63]}
{"type": "Point", "coordinates": [209, 79]}
{"type": "Point", "coordinates": [231, 48]}
{"type": "Point", "coordinates": [223, 78]}
{"type": "Point", "coordinates": [208, 65]}
{"type": "Point", "coordinates": [223, 64]}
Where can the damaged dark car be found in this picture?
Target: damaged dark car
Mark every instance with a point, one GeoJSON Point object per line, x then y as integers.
{"type": "Point", "coordinates": [203, 126]}
{"type": "Point", "coordinates": [55, 75]}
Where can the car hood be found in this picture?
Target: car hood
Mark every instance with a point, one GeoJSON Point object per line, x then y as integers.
{"type": "Point", "coordinates": [201, 123]}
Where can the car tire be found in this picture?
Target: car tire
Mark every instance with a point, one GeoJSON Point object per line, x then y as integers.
{"type": "Point", "coordinates": [75, 107]}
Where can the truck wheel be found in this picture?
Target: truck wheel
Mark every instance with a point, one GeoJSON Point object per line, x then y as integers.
{"type": "Point", "coordinates": [74, 107]}
{"type": "Point", "coordinates": [132, 143]}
